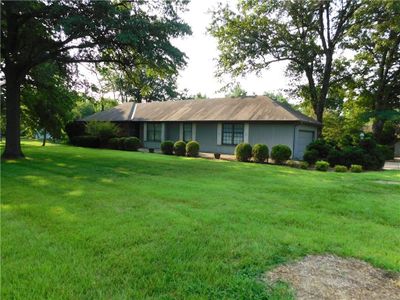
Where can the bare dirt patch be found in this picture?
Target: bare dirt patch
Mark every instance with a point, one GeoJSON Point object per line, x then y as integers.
{"type": "Point", "coordinates": [330, 277]}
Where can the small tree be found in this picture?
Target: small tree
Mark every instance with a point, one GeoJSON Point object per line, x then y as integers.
{"type": "Point", "coordinates": [102, 130]}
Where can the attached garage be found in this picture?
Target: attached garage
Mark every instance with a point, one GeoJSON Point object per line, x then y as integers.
{"type": "Point", "coordinates": [303, 136]}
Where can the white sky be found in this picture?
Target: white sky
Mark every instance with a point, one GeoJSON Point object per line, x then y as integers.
{"type": "Point", "coordinates": [202, 53]}
{"type": "Point", "coordinates": [201, 49]}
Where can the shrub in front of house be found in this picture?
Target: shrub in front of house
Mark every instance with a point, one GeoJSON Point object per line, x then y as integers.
{"type": "Point", "coordinates": [336, 157]}
{"type": "Point", "coordinates": [74, 129]}
{"type": "Point", "coordinates": [260, 153]}
{"type": "Point", "coordinates": [321, 146]}
{"type": "Point", "coordinates": [322, 165]}
{"type": "Point", "coordinates": [102, 130]}
{"type": "Point", "coordinates": [167, 147]}
{"type": "Point", "coordinates": [132, 143]}
{"type": "Point", "coordinates": [304, 165]}
{"type": "Point", "coordinates": [356, 168]}
{"type": "Point", "coordinates": [311, 156]}
{"type": "Point", "coordinates": [86, 141]}
{"type": "Point", "coordinates": [192, 149]}
{"type": "Point", "coordinates": [243, 152]}
{"type": "Point", "coordinates": [121, 143]}
{"type": "Point", "coordinates": [180, 148]}
{"type": "Point", "coordinates": [340, 168]}
{"type": "Point", "coordinates": [280, 153]}
{"type": "Point", "coordinates": [293, 163]}
{"type": "Point", "coordinates": [352, 155]}
{"type": "Point", "coordinates": [113, 143]}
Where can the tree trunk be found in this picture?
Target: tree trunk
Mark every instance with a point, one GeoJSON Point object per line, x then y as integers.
{"type": "Point", "coordinates": [13, 114]}
{"type": "Point", "coordinates": [44, 138]}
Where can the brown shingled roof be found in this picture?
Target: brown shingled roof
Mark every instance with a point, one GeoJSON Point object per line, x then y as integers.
{"type": "Point", "coordinates": [257, 108]}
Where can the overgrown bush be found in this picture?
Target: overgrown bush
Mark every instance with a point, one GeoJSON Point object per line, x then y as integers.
{"type": "Point", "coordinates": [121, 143]}
{"type": "Point", "coordinates": [304, 165]}
{"type": "Point", "coordinates": [102, 130]}
{"type": "Point", "coordinates": [311, 156]}
{"type": "Point", "coordinates": [260, 153]}
{"type": "Point", "coordinates": [132, 143]}
{"type": "Point", "coordinates": [280, 153]}
{"type": "Point", "coordinates": [322, 165]}
{"type": "Point", "coordinates": [321, 146]}
{"type": "Point", "coordinates": [293, 164]}
{"type": "Point", "coordinates": [336, 157]}
{"type": "Point", "coordinates": [243, 152]}
{"type": "Point", "coordinates": [74, 129]}
{"type": "Point", "coordinates": [180, 148]}
{"type": "Point", "coordinates": [113, 143]}
{"type": "Point", "coordinates": [167, 147]}
{"type": "Point", "coordinates": [387, 151]}
{"type": "Point", "coordinates": [86, 141]}
{"type": "Point", "coordinates": [356, 168]}
{"type": "Point", "coordinates": [340, 168]}
{"type": "Point", "coordinates": [192, 149]}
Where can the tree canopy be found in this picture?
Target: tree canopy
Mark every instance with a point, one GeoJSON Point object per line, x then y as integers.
{"type": "Point", "coordinates": [129, 34]}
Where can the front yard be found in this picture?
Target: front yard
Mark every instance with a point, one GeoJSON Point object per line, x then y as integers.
{"type": "Point", "coordinates": [80, 223]}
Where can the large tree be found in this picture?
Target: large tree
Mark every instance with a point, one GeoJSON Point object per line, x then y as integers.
{"type": "Point", "coordinates": [307, 34]}
{"type": "Point", "coordinates": [376, 40]}
{"type": "Point", "coordinates": [128, 33]}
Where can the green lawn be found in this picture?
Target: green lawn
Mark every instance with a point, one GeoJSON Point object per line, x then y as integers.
{"type": "Point", "coordinates": [101, 224]}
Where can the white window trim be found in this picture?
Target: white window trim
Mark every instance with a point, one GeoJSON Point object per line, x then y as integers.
{"type": "Point", "coordinates": [246, 133]}
{"type": "Point", "coordinates": [181, 131]}
{"type": "Point", "coordinates": [162, 132]}
{"type": "Point", "coordinates": [194, 129]}
{"type": "Point", "coordinates": [219, 133]}
{"type": "Point", "coordinates": [145, 131]}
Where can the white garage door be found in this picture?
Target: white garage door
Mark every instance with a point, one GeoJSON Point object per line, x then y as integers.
{"type": "Point", "coordinates": [305, 137]}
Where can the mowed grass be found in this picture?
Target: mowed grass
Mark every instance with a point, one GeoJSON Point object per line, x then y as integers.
{"type": "Point", "coordinates": [101, 224]}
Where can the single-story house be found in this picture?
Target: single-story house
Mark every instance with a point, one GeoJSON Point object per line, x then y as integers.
{"type": "Point", "coordinates": [217, 124]}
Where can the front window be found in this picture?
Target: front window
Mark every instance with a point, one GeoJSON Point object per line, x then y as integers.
{"type": "Point", "coordinates": [154, 132]}
{"type": "Point", "coordinates": [187, 132]}
{"type": "Point", "coordinates": [232, 134]}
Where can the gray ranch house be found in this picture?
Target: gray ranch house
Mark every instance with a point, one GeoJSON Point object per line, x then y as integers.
{"type": "Point", "coordinates": [217, 124]}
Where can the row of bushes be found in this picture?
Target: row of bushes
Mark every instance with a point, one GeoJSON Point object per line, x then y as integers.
{"type": "Point", "coordinates": [180, 148]}
{"type": "Point", "coordinates": [365, 152]}
{"type": "Point", "coordinates": [322, 165]}
{"type": "Point", "coordinates": [118, 143]}
{"type": "Point", "coordinates": [260, 153]}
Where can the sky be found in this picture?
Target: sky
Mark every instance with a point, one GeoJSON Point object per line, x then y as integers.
{"type": "Point", "coordinates": [201, 50]}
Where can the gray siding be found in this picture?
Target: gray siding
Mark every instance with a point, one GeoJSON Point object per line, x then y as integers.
{"type": "Point", "coordinates": [271, 134]}
{"type": "Point", "coordinates": [259, 133]}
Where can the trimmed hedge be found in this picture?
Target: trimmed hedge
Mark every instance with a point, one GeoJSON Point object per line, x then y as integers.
{"type": "Point", "coordinates": [322, 165]}
{"type": "Point", "coordinates": [304, 165]}
{"type": "Point", "coordinates": [132, 143]}
{"type": "Point", "coordinates": [311, 156]}
{"type": "Point", "coordinates": [113, 143]}
{"type": "Point", "coordinates": [243, 152]}
{"type": "Point", "coordinates": [356, 168]}
{"type": "Point", "coordinates": [293, 164]}
{"type": "Point", "coordinates": [86, 141]}
{"type": "Point", "coordinates": [280, 153]}
{"type": "Point", "coordinates": [167, 147]}
{"type": "Point", "coordinates": [121, 143]}
{"type": "Point", "coordinates": [340, 169]}
{"type": "Point", "coordinates": [192, 149]}
{"type": "Point", "coordinates": [180, 148]}
{"type": "Point", "coordinates": [260, 153]}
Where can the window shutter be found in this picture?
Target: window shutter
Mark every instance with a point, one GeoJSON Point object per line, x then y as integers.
{"type": "Point", "coordinates": [219, 133]}
{"type": "Point", "coordinates": [194, 131]}
{"type": "Point", "coordinates": [246, 133]}
{"type": "Point", "coordinates": [162, 132]}
{"type": "Point", "coordinates": [145, 131]}
{"type": "Point", "coordinates": [181, 131]}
